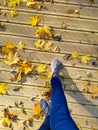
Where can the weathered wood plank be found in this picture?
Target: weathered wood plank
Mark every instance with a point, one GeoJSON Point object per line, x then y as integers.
{"type": "Point", "coordinates": [72, 96]}
{"type": "Point", "coordinates": [91, 121]}
{"type": "Point", "coordinates": [62, 22]}
{"type": "Point", "coordinates": [68, 72]}
{"type": "Point", "coordinates": [61, 9]}
{"type": "Point", "coordinates": [67, 35]}
{"type": "Point", "coordinates": [65, 47]}
{"type": "Point", "coordinates": [78, 2]}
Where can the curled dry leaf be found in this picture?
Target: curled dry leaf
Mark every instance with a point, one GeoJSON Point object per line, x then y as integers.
{"type": "Point", "coordinates": [46, 93]}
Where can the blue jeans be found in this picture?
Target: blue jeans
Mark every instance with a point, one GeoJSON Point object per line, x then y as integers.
{"type": "Point", "coordinates": [59, 118]}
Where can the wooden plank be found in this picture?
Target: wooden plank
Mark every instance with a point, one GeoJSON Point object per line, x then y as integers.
{"type": "Point", "coordinates": [72, 96]}
{"type": "Point", "coordinates": [61, 9]}
{"type": "Point", "coordinates": [78, 2]}
{"type": "Point", "coordinates": [65, 47]}
{"type": "Point", "coordinates": [91, 120]}
{"type": "Point", "coordinates": [67, 35]}
{"type": "Point", "coordinates": [70, 23]}
{"type": "Point", "coordinates": [68, 72]}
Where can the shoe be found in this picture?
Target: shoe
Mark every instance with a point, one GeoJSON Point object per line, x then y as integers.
{"type": "Point", "coordinates": [55, 66]}
{"type": "Point", "coordinates": [45, 106]}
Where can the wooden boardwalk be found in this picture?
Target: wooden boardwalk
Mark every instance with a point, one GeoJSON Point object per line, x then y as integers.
{"type": "Point", "coordinates": [79, 32]}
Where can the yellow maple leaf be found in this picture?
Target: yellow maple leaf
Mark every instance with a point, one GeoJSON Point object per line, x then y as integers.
{"type": "Point", "coordinates": [33, 4]}
{"type": "Point", "coordinates": [85, 58]}
{"type": "Point", "coordinates": [13, 3]}
{"type": "Point", "coordinates": [74, 55]}
{"type": "Point", "coordinates": [44, 32]}
{"type": "Point", "coordinates": [94, 91]}
{"type": "Point", "coordinates": [6, 122]}
{"type": "Point", "coordinates": [13, 13]}
{"type": "Point", "coordinates": [8, 47]}
{"type": "Point", "coordinates": [11, 58]}
{"type": "Point", "coordinates": [21, 45]}
{"type": "Point", "coordinates": [34, 20]}
{"type": "Point", "coordinates": [39, 44]}
{"type": "Point", "coordinates": [41, 68]}
{"type": "Point", "coordinates": [26, 67]}
{"type": "Point", "coordinates": [3, 88]}
{"type": "Point", "coordinates": [37, 110]}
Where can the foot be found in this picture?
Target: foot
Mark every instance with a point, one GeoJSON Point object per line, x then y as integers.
{"type": "Point", "coordinates": [55, 66]}
{"type": "Point", "coordinates": [45, 106]}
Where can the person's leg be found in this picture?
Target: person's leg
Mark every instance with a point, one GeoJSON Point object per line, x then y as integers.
{"type": "Point", "coordinates": [46, 109]}
{"type": "Point", "coordinates": [60, 118]}
{"type": "Point", "coordinates": [46, 124]}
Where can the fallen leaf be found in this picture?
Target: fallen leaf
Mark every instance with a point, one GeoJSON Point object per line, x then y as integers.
{"type": "Point", "coordinates": [13, 3]}
{"type": "Point", "coordinates": [85, 58]}
{"type": "Point", "coordinates": [79, 127]}
{"type": "Point", "coordinates": [41, 68]}
{"type": "Point", "coordinates": [43, 45]}
{"type": "Point", "coordinates": [37, 110]}
{"type": "Point", "coordinates": [70, 11]}
{"type": "Point", "coordinates": [26, 67]}
{"type": "Point", "coordinates": [8, 47]}
{"type": "Point", "coordinates": [13, 13]}
{"type": "Point", "coordinates": [46, 93]}
{"type": "Point", "coordinates": [6, 122]}
{"type": "Point", "coordinates": [3, 88]}
{"type": "Point", "coordinates": [56, 49]}
{"type": "Point", "coordinates": [11, 58]}
{"type": "Point", "coordinates": [21, 45]}
{"type": "Point", "coordinates": [33, 4]}
{"type": "Point", "coordinates": [94, 91]}
{"type": "Point", "coordinates": [74, 55]}
{"type": "Point", "coordinates": [85, 89]}
{"type": "Point", "coordinates": [44, 32]}
{"type": "Point", "coordinates": [34, 20]}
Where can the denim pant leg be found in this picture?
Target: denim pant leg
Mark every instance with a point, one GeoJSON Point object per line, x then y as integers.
{"type": "Point", "coordinates": [46, 124]}
{"type": "Point", "coordinates": [60, 118]}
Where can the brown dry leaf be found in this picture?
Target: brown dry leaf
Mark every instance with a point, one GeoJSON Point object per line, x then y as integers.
{"type": "Point", "coordinates": [70, 11]}
{"type": "Point", "coordinates": [11, 58]}
{"type": "Point", "coordinates": [93, 1]}
{"type": "Point", "coordinates": [46, 93]}
{"type": "Point", "coordinates": [94, 91]}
